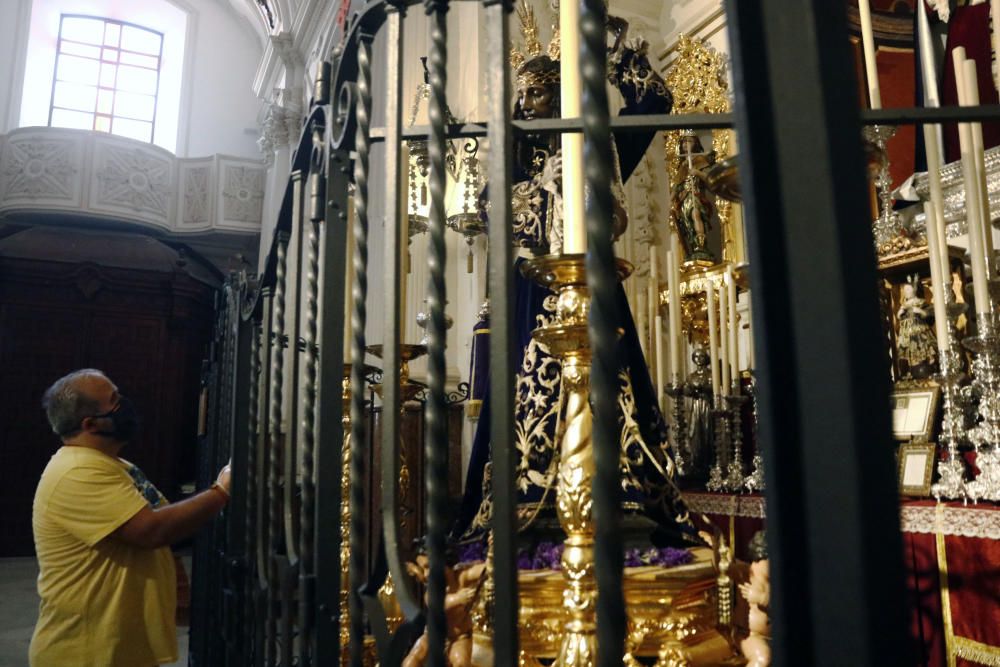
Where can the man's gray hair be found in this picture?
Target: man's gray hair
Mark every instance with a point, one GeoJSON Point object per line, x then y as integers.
{"type": "Point", "coordinates": [66, 405]}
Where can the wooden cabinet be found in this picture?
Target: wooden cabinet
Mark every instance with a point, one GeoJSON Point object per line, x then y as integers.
{"type": "Point", "coordinates": [145, 328]}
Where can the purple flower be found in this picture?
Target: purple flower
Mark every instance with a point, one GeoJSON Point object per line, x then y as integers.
{"type": "Point", "coordinates": [671, 557]}
{"type": "Point", "coordinates": [472, 552]}
{"type": "Point", "coordinates": [632, 558]}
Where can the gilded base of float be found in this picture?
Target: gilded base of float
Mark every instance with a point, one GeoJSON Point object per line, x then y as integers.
{"type": "Point", "coordinates": [672, 615]}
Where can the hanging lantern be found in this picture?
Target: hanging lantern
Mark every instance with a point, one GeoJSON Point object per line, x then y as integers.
{"type": "Point", "coordinates": [419, 200]}
{"type": "Point", "coordinates": [462, 209]}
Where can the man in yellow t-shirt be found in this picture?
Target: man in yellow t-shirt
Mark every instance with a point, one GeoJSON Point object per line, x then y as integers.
{"type": "Point", "coordinates": [102, 534]}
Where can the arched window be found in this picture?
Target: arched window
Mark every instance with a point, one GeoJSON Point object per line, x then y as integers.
{"type": "Point", "coordinates": [106, 76]}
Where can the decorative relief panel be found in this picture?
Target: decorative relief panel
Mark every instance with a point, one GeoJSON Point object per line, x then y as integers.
{"type": "Point", "coordinates": [39, 168]}
{"type": "Point", "coordinates": [45, 169]}
{"type": "Point", "coordinates": [242, 193]}
{"type": "Point", "coordinates": [132, 178]}
{"type": "Point", "coordinates": [195, 196]}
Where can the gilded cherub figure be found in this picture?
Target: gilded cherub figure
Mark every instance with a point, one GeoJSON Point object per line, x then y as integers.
{"type": "Point", "coordinates": [462, 586]}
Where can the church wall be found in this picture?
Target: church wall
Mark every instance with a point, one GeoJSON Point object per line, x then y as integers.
{"type": "Point", "coordinates": [224, 109]}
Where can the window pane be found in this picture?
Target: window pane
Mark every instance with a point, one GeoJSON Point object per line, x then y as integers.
{"type": "Point", "coordinates": [81, 29]}
{"type": "Point", "coordinates": [134, 106]}
{"type": "Point", "coordinates": [81, 50]}
{"type": "Point", "coordinates": [108, 75]}
{"type": "Point", "coordinates": [74, 96]}
{"type": "Point", "coordinates": [76, 69]}
{"type": "Point", "coordinates": [105, 100]}
{"type": "Point", "coordinates": [137, 80]}
{"type": "Point", "coordinates": [128, 58]}
{"type": "Point", "coordinates": [112, 33]}
{"type": "Point", "coordinates": [106, 78]}
{"type": "Point", "coordinates": [74, 119]}
{"type": "Point", "coordinates": [143, 41]}
{"type": "Point", "coordinates": [134, 129]}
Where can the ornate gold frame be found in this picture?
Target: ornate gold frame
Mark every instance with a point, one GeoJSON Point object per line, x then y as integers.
{"type": "Point", "coordinates": [698, 83]}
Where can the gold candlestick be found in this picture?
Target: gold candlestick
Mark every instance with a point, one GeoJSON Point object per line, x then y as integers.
{"type": "Point", "coordinates": [567, 339]}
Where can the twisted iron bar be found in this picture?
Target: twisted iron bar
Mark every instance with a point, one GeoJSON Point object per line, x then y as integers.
{"type": "Point", "coordinates": [602, 279]}
{"type": "Point", "coordinates": [359, 319]}
{"type": "Point", "coordinates": [436, 444]}
{"type": "Point", "coordinates": [251, 496]}
{"type": "Point", "coordinates": [307, 514]}
{"type": "Point", "coordinates": [274, 468]}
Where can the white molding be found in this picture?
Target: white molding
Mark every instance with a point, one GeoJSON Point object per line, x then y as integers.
{"type": "Point", "coordinates": [91, 174]}
{"type": "Point", "coordinates": [13, 111]}
{"type": "Point", "coordinates": [187, 79]}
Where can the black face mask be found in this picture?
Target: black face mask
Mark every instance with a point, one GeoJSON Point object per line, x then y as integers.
{"type": "Point", "coordinates": [124, 421]}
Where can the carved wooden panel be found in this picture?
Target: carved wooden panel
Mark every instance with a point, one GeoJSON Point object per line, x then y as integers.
{"type": "Point", "coordinates": [146, 329]}
{"type": "Point", "coordinates": [413, 504]}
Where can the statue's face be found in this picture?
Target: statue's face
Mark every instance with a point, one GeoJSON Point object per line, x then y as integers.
{"type": "Point", "coordinates": [536, 102]}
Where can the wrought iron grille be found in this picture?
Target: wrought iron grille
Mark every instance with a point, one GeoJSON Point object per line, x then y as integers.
{"type": "Point", "coordinates": [269, 584]}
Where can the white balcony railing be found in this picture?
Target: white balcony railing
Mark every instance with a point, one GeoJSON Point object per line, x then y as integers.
{"type": "Point", "coordinates": [46, 170]}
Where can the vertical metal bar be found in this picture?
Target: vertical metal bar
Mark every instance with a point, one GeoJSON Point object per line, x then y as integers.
{"type": "Point", "coordinates": [250, 511]}
{"type": "Point", "coordinates": [262, 595]}
{"type": "Point", "coordinates": [436, 436]}
{"type": "Point", "coordinates": [275, 532]}
{"type": "Point", "coordinates": [602, 281]}
{"type": "Point", "coordinates": [505, 629]}
{"type": "Point", "coordinates": [394, 234]}
{"type": "Point", "coordinates": [291, 445]}
{"type": "Point", "coordinates": [359, 320]}
{"type": "Point", "coordinates": [822, 380]}
{"type": "Point", "coordinates": [307, 511]}
{"type": "Point", "coordinates": [238, 560]}
{"type": "Point", "coordinates": [334, 236]}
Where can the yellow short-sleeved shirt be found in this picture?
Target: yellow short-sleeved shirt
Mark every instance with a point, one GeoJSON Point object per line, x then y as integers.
{"type": "Point", "coordinates": [104, 603]}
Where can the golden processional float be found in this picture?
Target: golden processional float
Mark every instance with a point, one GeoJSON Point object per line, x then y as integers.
{"type": "Point", "coordinates": [680, 615]}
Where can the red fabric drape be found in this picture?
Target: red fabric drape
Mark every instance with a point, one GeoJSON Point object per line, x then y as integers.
{"type": "Point", "coordinates": [969, 27]}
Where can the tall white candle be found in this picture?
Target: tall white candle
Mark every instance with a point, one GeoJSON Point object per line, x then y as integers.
{"type": "Point", "coordinates": [980, 287]}
{"type": "Point", "coordinates": [650, 317]}
{"type": "Point", "coordinates": [972, 99]}
{"type": "Point", "coordinates": [868, 46]}
{"type": "Point", "coordinates": [928, 73]}
{"type": "Point", "coordinates": [640, 323]}
{"type": "Point", "coordinates": [933, 140]}
{"type": "Point", "coordinates": [937, 281]}
{"type": "Point", "coordinates": [734, 359]}
{"type": "Point", "coordinates": [933, 153]}
{"type": "Point", "coordinates": [713, 335]}
{"type": "Point", "coordinates": [675, 306]}
{"type": "Point", "coordinates": [724, 338]}
{"type": "Point", "coordinates": [574, 229]}
{"type": "Point", "coordinates": [654, 270]}
{"type": "Point", "coordinates": [672, 334]}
